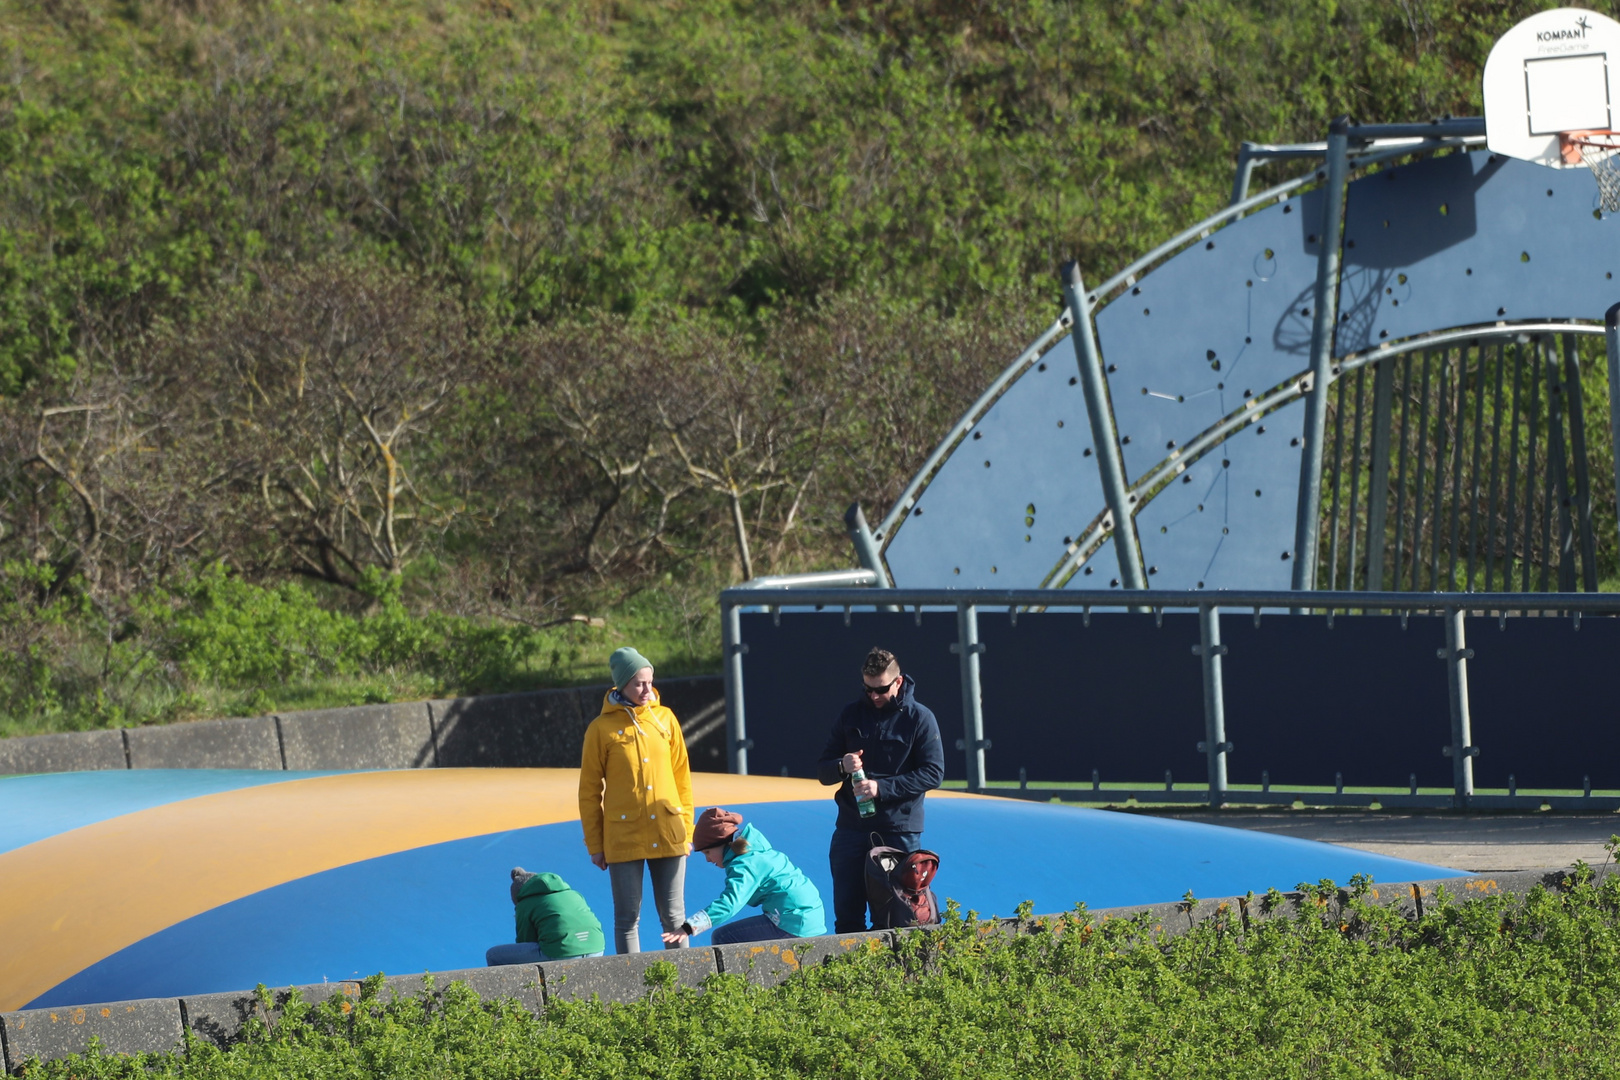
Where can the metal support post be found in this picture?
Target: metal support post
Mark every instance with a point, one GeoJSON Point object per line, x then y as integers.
{"type": "Point", "coordinates": [1462, 751]}
{"type": "Point", "coordinates": [1557, 464]}
{"type": "Point", "coordinates": [731, 644]}
{"type": "Point", "coordinates": [866, 549]}
{"type": "Point", "coordinates": [968, 648]}
{"type": "Point", "coordinates": [1611, 331]}
{"type": "Point", "coordinates": [1378, 484]}
{"type": "Point", "coordinates": [1575, 402]}
{"type": "Point", "coordinates": [1245, 170]}
{"type": "Point", "coordinates": [1104, 440]}
{"type": "Point", "coordinates": [1325, 315]}
{"type": "Point", "coordinates": [1214, 746]}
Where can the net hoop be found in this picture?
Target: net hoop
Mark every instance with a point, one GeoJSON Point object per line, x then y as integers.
{"type": "Point", "coordinates": [1599, 151]}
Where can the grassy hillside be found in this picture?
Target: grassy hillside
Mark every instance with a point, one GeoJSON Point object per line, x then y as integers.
{"type": "Point", "coordinates": [539, 160]}
{"type": "Point", "coordinates": [475, 316]}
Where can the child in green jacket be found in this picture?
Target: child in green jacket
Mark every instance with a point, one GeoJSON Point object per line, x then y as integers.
{"type": "Point", "coordinates": [757, 875]}
{"type": "Point", "coordinates": [553, 922]}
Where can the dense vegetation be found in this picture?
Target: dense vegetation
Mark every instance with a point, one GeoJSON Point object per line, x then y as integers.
{"type": "Point", "coordinates": [1485, 988]}
{"type": "Point", "coordinates": [387, 338]}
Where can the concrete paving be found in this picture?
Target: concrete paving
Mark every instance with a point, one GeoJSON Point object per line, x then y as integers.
{"type": "Point", "coordinates": [1478, 843]}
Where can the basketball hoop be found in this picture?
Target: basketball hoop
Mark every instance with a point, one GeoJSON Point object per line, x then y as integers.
{"type": "Point", "coordinates": [1600, 152]}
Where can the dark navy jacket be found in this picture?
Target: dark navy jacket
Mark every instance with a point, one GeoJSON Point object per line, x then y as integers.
{"type": "Point", "coordinates": [900, 749]}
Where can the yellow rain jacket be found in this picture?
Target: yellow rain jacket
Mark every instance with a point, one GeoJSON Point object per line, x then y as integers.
{"type": "Point", "coordinates": [635, 786]}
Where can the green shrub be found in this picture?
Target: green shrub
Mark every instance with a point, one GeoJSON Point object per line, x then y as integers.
{"type": "Point", "coordinates": [1491, 987]}
{"type": "Point", "coordinates": [237, 634]}
{"type": "Point", "coordinates": [219, 645]}
{"type": "Point", "coordinates": [30, 618]}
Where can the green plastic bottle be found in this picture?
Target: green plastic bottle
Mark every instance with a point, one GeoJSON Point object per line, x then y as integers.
{"type": "Point", "coordinates": [864, 807]}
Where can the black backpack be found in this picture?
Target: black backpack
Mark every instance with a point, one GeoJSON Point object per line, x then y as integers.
{"type": "Point", "coordinates": [897, 886]}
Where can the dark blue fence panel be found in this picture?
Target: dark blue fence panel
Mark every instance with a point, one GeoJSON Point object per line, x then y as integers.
{"type": "Point", "coordinates": [1366, 699]}
{"type": "Point", "coordinates": [1123, 696]}
{"type": "Point", "coordinates": [1543, 708]}
{"type": "Point", "coordinates": [798, 676]}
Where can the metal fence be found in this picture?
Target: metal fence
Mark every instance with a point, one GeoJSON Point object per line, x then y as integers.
{"type": "Point", "coordinates": [1467, 463]}
{"type": "Point", "coordinates": [1377, 674]}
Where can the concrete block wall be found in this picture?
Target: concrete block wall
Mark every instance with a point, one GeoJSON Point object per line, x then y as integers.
{"type": "Point", "coordinates": [361, 737]}
{"type": "Point", "coordinates": [766, 963]}
{"type": "Point", "coordinates": [68, 752]}
{"type": "Point", "coordinates": [623, 978]}
{"type": "Point", "coordinates": [130, 1027]}
{"type": "Point", "coordinates": [124, 1027]}
{"type": "Point", "coordinates": [240, 743]}
{"type": "Point", "coordinates": [544, 728]}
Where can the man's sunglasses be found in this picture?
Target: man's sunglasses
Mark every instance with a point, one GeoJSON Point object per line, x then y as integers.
{"type": "Point", "coordinates": [877, 690]}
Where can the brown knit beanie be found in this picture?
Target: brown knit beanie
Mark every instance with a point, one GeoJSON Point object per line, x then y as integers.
{"type": "Point", "coordinates": [714, 827]}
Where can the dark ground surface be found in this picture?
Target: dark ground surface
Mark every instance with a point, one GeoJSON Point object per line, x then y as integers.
{"type": "Point", "coordinates": [1480, 843]}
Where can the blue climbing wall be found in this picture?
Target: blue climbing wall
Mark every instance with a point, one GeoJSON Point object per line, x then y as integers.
{"type": "Point", "coordinates": [1456, 240]}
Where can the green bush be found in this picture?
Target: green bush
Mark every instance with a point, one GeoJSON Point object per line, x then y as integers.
{"type": "Point", "coordinates": [236, 634]}
{"type": "Point", "coordinates": [218, 645]}
{"type": "Point", "coordinates": [30, 617]}
{"type": "Point", "coordinates": [1490, 987]}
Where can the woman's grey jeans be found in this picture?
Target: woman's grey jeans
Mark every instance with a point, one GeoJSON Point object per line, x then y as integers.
{"type": "Point", "coordinates": [669, 897]}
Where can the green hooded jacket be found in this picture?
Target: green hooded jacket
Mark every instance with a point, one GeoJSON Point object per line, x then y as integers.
{"type": "Point", "coordinates": [556, 918]}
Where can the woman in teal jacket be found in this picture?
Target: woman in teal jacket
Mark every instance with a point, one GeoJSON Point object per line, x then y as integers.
{"type": "Point", "coordinates": [757, 875]}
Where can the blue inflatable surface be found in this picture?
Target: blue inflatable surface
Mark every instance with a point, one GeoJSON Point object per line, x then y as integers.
{"type": "Point", "coordinates": [155, 884]}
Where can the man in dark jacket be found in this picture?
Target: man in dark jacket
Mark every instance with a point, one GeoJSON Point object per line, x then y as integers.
{"type": "Point", "coordinates": [895, 741]}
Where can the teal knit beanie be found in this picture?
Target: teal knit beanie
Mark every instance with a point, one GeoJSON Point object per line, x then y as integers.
{"type": "Point", "coordinates": [625, 663]}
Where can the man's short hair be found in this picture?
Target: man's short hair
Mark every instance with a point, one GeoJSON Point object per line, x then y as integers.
{"type": "Point", "coordinates": [879, 662]}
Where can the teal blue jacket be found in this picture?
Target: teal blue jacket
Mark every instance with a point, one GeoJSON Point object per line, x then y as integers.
{"type": "Point", "coordinates": [763, 877]}
{"type": "Point", "coordinates": [556, 918]}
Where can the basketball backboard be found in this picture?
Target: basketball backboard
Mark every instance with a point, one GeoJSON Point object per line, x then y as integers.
{"type": "Point", "coordinates": [1552, 73]}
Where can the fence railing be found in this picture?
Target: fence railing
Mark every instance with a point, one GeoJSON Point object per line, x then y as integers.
{"type": "Point", "coordinates": [1457, 610]}
{"type": "Point", "coordinates": [1458, 462]}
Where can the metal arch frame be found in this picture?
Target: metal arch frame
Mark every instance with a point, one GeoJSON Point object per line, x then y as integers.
{"type": "Point", "coordinates": [1355, 146]}
{"type": "Point", "coordinates": [1298, 386]}
{"type": "Point", "coordinates": [959, 431]}
{"type": "Point", "coordinates": [1351, 361]}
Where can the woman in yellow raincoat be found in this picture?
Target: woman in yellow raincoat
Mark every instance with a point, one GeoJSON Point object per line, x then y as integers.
{"type": "Point", "coordinates": [635, 800]}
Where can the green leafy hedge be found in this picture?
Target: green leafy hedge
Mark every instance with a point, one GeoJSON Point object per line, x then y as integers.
{"type": "Point", "coordinates": [1491, 987]}
{"type": "Point", "coordinates": [218, 645]}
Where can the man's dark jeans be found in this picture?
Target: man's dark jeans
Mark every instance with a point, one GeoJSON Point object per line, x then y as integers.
{"type": "Point", "coordinates": [848, 858]}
